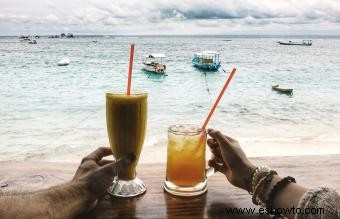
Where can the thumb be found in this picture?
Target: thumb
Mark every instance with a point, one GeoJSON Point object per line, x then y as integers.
{"type": "Point", "coordinates": [111, 168]}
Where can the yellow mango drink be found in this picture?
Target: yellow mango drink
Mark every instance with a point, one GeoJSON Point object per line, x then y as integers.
{"type": "Point", "coordinates": [126, 117]}
{"type": "Point", "coordinates": [185, 171]}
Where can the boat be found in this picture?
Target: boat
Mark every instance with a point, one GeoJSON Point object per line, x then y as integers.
{"type": "Point", "coordinates": [277, 87]}
{"type": "Point", "coordinates": [207, 60]}
{"type": "Point", "coordinates": [303, 43]}
{"type": "Point", "coordinates": [32, 42]}
{"type": "Point", "coordinates": [22, 37]}
{"type": "Point", "coordinates": [154, 62]}
{"type": "Point", "coordinates": [54, 36]}
{"type": "Point", "coordinates": [64, 62]}
{"type": "Point", "coordinates": [25, 38]}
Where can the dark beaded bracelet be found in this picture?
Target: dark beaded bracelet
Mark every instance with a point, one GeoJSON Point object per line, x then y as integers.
{"type": "Point", "coordinates": [249, 181]}
{"type": "Point", "coordinates": [277, 188]}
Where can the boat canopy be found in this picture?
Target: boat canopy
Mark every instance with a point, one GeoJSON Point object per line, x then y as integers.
{"type": "Point", "coordinates": [207, 57]}
{"type": "Point", "coordinates": [207, 53]}
{"type": "Point", "coordinates": [307, 42]}
{"type": "Point", "coordinates": [154, 58]}
{"type": "Point", "coordinates": [155, 55]}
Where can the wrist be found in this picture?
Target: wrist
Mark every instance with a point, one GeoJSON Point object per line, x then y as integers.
{"type": "Point", "coordinates": [81, 193]}
{"type": "Point", "coordinates": [67, 200]}
{"type": "Point", "coordinates": [247, 177]}
{"type": "Point", "coordinates": [262, 178]}
{"type": "Point", "coordinates": [265, 190]}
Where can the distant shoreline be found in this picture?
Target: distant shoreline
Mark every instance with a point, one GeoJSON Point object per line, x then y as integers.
{"type": "Point", "coordinates": [312, 36]}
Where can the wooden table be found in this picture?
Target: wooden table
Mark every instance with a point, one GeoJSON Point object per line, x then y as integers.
{"type": "Point", "coordinates": [311, 171]}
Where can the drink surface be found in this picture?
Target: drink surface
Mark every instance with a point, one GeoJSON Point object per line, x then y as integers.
{"type": "Point", "coordinates": [126, 117]}
{"type": "Point", "coordinates": [186, 155]}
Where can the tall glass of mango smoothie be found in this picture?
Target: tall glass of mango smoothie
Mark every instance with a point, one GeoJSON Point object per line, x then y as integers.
{"type": "Point", "coordinates": [126, 117]}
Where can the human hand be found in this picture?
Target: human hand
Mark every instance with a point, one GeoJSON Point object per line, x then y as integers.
{"type": "Point", "coordinates": [96, 174]}
{"type": "Point", "coordinates": [229, 159]}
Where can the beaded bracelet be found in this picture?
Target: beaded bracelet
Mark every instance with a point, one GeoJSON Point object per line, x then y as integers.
{"type": "Point", "coordinates": [266, 179]}
{"type": "Point", "coordinates": [250, 181]}
{"type": "Point", "coordinates": [277, 188]}
{"type": "Point", "coordinates": [260, 172]}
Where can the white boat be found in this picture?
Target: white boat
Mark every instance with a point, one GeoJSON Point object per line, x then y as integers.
{"type": "Point", "coordinates": [282, 89]}
{"type": "Point", "coordinates": [154, 62]}
{"type": "Point", "coordinates": [303, 43]}
{"type": "Point", "coordinates": [64, 62]}
{"type": "Point", "coordinates": [25, 38]}
{"type": "Point", "coordinates": [32, 42]}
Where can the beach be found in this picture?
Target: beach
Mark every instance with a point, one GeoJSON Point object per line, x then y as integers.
{"type": "Point", "coordinates": [57, 113]}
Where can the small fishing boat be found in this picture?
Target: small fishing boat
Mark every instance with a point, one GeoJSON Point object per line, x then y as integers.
{"type": "Point", "coordinates": [303, 43]}
{"type": "Point", "coordinates": [207, 60]}
{"type": "Point", "coordinates": [32, 42]}
{"type": "Point", "coordinates": [154, 62]}
{"type": "Point", "coordinates": [24, 38]}
{"type": "Point", "coordinates": [64, 62]}
{"type": "Point", "coordinates": [277, 87]}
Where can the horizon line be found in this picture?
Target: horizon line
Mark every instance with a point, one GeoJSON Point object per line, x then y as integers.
{"type": "Point", "coordinates": [165, 35]}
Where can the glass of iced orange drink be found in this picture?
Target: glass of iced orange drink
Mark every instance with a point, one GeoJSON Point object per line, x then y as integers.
{"type": "Point", "coordinates": [185, 173]}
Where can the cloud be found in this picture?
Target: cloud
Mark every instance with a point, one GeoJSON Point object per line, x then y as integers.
{"type": "Point", "coordinates": [126, 16]}
{"type": "Point", "coordinates": [52, 18]}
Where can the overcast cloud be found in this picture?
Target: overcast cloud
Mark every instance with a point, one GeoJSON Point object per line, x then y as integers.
{"type": "Point", "coordinates": [170, 17]}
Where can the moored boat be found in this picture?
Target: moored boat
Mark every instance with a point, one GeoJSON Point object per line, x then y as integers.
{"type": "Point", "coordinates": [154, 62]}
{"type": "Point", "coordinates": [277, 87]}
{"type": "Point", "coordinates": [207, 60]}
{"type": "Point", "coordinates": [32, 42]}
{"type": "Point", "coordinates": [303, 43]}
{"type": "Point", "coordinates": [64, 62]}
{"type": "Point", "coordinates": [23, 38]}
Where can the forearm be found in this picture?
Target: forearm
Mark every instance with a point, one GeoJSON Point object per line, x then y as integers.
{"type": "Point", "coordinates": [286, 198]}
{"type": "Point", "coordinates": [64, 201]}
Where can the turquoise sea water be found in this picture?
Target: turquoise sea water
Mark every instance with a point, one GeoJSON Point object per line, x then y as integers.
{"type": "Point", "coordinates": [48, 111]}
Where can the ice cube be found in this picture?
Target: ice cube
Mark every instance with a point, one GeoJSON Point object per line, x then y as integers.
{"type": "Point", "coordinates": [198, 154]}
{"type": "Point", "coordinates": [177, 143]}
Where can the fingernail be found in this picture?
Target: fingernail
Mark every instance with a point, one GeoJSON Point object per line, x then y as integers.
{"type": "Point", "coordinates": [118, 161]}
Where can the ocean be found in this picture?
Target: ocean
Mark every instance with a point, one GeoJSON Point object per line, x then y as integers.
{"type": "Point", "coordinates": [57, 113]}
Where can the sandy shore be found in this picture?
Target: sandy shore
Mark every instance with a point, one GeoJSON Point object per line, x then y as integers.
{"type": "Point", "coordinates": [157, 153]}
{"type": "Point", "coordinates": [256, 149]}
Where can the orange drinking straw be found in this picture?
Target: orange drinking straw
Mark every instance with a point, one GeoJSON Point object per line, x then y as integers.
{"type": "Point", "coordinates": [219, 98]}
{"type": "Point", "coordinates": [132, 50]}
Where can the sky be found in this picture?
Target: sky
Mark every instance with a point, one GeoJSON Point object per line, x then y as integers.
{"type": "Point", "coordinates": [158, 17]}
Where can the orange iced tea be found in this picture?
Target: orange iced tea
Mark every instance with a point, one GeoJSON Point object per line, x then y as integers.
{"type": "Point", "coordinates": [186, 155]}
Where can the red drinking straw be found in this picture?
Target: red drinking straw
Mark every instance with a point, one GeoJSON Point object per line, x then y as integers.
{"type": "Point", "coordinates": [132, 51]}
{"type": "Point", "coordinates": [219, 98]}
